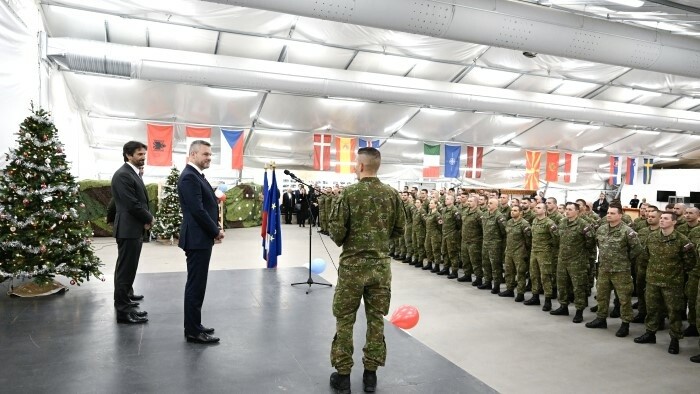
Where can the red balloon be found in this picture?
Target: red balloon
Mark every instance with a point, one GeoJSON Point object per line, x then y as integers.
{"type": "Point", "coordinates": [405, 317]}
{"type": "Point", "coordinates": [222, 198]}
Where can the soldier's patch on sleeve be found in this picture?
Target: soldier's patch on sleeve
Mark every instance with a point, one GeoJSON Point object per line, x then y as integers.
{"type": "Point", "coordinates": [688, 247]}
{"type": "Point", "coordinates": [501, 219]}
{"type": "Point", "coordinates": [554, 227]}
{"type": "Point", "coordinates": [527, 230]}
{"type": "Point", "coordinates": [632, 234]}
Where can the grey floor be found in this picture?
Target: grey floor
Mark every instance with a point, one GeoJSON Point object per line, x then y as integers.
{"type": "Point", "coordinates": [507, 346]}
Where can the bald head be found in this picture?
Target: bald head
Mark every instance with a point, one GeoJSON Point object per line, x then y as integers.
{"type": "Point", "coordinates": [368, 162]}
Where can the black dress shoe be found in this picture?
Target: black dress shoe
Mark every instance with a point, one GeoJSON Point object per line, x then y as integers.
{"type": "Point", "coordinates": [207, 330]}
{"type": "Point", "coordinates": [130, 318]}
{"type": "Point", "coordinates": [136, 297]}
{"type": "Point", "coordinates": [202, 337]}
{"type": "Point", "coordinates": [695, 359]}
{"type": "Point", "coordinates": [140, 313]}
{"type": "Point", "coordinates": [133, 304]}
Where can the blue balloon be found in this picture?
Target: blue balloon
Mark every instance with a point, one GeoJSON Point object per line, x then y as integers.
{"type": "Point", "coordinates": [318, 265]}
{"type": "Point", "coordinates": [223, 188]}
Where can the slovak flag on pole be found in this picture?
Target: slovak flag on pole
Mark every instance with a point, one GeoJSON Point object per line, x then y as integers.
{"type": "Point", "coordinates": [615, 173]}
{"type": "Point", "coordinates": [631, 171]}
{"type": "Point", "coordinates": [265, 206]}
{"type": "Point", "coordinates": [274, 230]}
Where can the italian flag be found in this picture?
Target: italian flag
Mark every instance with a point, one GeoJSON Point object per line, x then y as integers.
{"type": "Point", "coordinates": [431, 161]}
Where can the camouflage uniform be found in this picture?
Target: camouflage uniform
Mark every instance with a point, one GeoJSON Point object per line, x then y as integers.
{"type": "Point", "coordinates": [494, 232]}
{"type": "Point", "coordinates": [529, 216]}
{"type": "Point", "coordinates": [451, 219]}
{"type": "Point", "coordinates": [518, 241]}
{"type": "Point", "coordinates": [639, 223]}
{"type": "Point", "coordinates": [691, 285]}
{"type": "Point", "coordinates": [471, 242]}
{"type": "Point", "coordinates": [408, 232]}
{"type": "Point", "coordinates": [669, 257]}
{"type": "Point", "coordinates": [641, 280]}
{"type": "Point", "coordinates": [363, 219]}
{"type": "Point", "coordinates": [627, 219]}
{"type": "Point", "coordinates": [593, 220]}
{"type": "Point", "coordinates": [433, 237]}
{"type": "Point", "coordinates": [545, 240]}
{"type": "Point", "coordinates": [418, 240]}
{"type": "Point", "coordinates": [617, 246]}
{"type": "Point", "coordinates": [556, 218]}
{"type": "Point", "coordinates": [576, 239]}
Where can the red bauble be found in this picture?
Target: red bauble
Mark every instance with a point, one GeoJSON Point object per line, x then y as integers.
{"type": "Point", "coordinates": [25, 202]}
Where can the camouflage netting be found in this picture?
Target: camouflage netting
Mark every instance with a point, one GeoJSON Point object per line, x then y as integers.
{"type": "Point", "coordinates": [242, 208]}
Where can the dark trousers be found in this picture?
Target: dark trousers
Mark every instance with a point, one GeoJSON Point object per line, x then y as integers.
{"type": "Point", "coordinates": [288, 215]}
{"type": "Point", "coordinates": [196, 286]}
{"type": "Point", "coordinates": [129, 251]}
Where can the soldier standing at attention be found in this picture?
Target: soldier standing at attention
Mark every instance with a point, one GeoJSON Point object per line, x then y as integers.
{"type": "Point", "coordinates": [517, 246]}
{"type": "Point", "coordinates": [401, 242]}
{"type": "Point", "coordinates": [679, 210]}
{"type": "Point", "coordinates": [408, 231]}
{"type": "Point", "coordinates": [418, 235]}
{"type": "Point", "coordinates": [493, 225]}
{"type": "Point", "coordinates": [576, 239]}
{"type": "Point", "coordinates": [450, 220]}
{"type": "Point", "coordinates": [553, 213]}
{"type": "Point", "coordinates": [691, 285]}
{"type": "Point", "coordinates": [545, 241]}
{"type": "Point", "coordinates": [322, 215]}
{"type": "Point", "coordinates": [527, 213]}
{"type": "Point", "coordinates": [433, 237]}
{"type": "Point", "coordinates": [472, 239]}
{"type": "Point", "coordinates": [641, 261]}
{"type": "Point", "coordinates": [640, 221]}
{"type": "Point", "coordinates": [618, 245]}
{"type": "Point", "coordinates": [671, 254]}
{"type": "Point", "coordinates": [365, 216]}
{"type": "Point", "coordinates": [503, 206]}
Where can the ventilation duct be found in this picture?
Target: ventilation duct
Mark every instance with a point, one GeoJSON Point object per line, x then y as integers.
{"type": "Point", "coordinates": [508, 24]}
{"type": "Point", "coordinates": [237, 73]}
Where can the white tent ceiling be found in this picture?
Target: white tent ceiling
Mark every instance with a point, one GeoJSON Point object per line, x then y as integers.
{"type": "Point", "coordinates": [279, 122]}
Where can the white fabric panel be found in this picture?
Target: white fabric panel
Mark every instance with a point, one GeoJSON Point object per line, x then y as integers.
{"type": "Point", "coordinates": [489, 77]}
{"type": "Point", "coordinates": [61, 22]}
{"type": "Point", "coordinates": [250, 47]}
{"type": "Point", "coordinates": [533, 83]}
{"type": "Point", "coordinates": [659, 81]}
{"type": "Point", "coordinates": [685, 103]}
{"type": "Point", "coordinates": [181, 38]}
{"type": "Point", "coordinates": [382, 64]}
{"type": "Point", "coordinates": [575, 88]}
{"type": "Point", "coordinates": [444, 127]}
{"type": "Point", "coordinates": [434, 71]}
{"type": "Point", "coordinates": [561, 135]}
{"type": "Point", "coordinates": [127, 31]}
{"type": "Point", "coordinates": [317, 55]}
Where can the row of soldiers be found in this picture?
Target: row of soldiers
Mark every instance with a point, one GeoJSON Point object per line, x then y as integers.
{"type": "Point", "coordinates": [529, 245]}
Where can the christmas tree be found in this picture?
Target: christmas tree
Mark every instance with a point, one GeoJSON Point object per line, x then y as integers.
{"type": "Point", "coordinates": [169, 216]}
{"type": "Point", "coordinates": [40, 233]}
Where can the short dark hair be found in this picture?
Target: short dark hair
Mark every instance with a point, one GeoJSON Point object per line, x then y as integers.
{"type": "Point", "coordinates": [131, 147]}
{"type": "Point", "coordinates": [576, 207]}
{"type": "Point", "coordinates": [673, 214]}
{"type": "Point", "coordinates": [194, 147]}
{"type": "Point", "coordinates": [616, 206]}
{"type": "Point", "coordinates": [374, 156]}
{"type": "Point", "coordinates": [553, 199]}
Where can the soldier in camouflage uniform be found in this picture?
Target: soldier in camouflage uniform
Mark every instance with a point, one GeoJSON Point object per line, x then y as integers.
{"type": "Point", "coordinates": [592, 219]}
{"type": "Point", "coordinates": [472, 239]}
{"type": "Point", "coordinates": [618, 245]}
{"type": "Point", "coordinates": [518, 239]}
{"type": "Point", "coordinates": [483, 200]}
{"type": "Point", "coordinates": [408, 232]}
{"type": "Point", "coordinates": [362, 221]}
{"type": "Point", "coordinates": [553, 213]}
{"type": "Point", "coordinates": [691, 285]}
{"type": "Point", "coordinates": [493, 225]}
{"type": "Point", "coordinates": [576, 239]}
{"type": "Point", "coordinates": [641, 262]}
{"type": "Point", "coordinates": [450, 219]}
{"type": "Point", "coordinates": [696, 358]}
{"type": "Point", "coordinates": [321, 199]}
{"type": "Point", "coordinates": [640, 221]}
{"type": "Point", "coordinates": [503, 206]}
{"type": "Point", "coordinates": [671, 254]}
{"type": "Point", "coordinates": [401, 242]}
{"type": "Point", "coordinates": [545, 241]}
{"type": "Point", "coordinates": [527, 213]}
{"type": "Point", "coordinates": [433, 237]}
{"type": "Point", "coordinates": [418, 235]}
{"type": "Point", "coordinates": [679, 210]}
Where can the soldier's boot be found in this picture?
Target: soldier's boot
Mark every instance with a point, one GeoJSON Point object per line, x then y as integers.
{"type": "Point", "coordinates": [554, 293]}
{"type": "Point", "coordinates": [635, 305]}
{"type": "Point", "coordinates": [597, 323]}
{"type": "Point", "coordinates": [528, 285]}
{"type": "Point", "coordinates": [398, 257]}
{"type": "Point", "coordinates": [465, 278]}
{"type": "Point", "coordinates": [428, 266]}
{"type": "Point", "coordinates": [391, 254]}
{"type": "Point", "coordinates": [647, 337]}
{"type": "Point", "coordinates": [639, 318]}
{"type": "Point", "coordinates": [691, 331]}
{"type": "Point", "coordinates": [578, 318]}
{"type": "Point", "coordinates": [615, 313]}
{"type": "Point", "coordinates": [341, 383]}
{"type": "Point", "coordinates": [496, 287]}
{"type": "Point", "coordinates": [534, 300]}
{"type": "Point", "coordinates": [453, 275]}
{"type": "Point", "coordinates": [485, 286]}
{"type": "Point", "coordinates": [369, 381]}
{"type": "Point", "coordinates": [436, 268]}
{"type": "Point", "coordinates": [547, 304]}
{"type": "Point", "coordinates": [563, 310]}
{"type": "Point", "coordinates": [478, 281]}
{"type": "Point", "coordinates": [444, 271]}
{"type": "Point", "coordinates": [673, 346]}
{"type": "Point", "coordinates": [408, 259]}
{"type": "Point", "coordinates": [623, 331]}
{"type": "Point", "coordinates": [520, 297]}
{"type": "Point", "coordinates": [695, 359]}
{"type": "Point", "coordinates": [594, 308]}
{"type": "Point", "coordinates": [506, 293]}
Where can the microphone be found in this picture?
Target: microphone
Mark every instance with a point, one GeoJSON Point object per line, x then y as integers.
{"type": "Point", "coordinates": [291, 174]}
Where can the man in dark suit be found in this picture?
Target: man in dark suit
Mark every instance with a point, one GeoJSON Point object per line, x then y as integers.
{"type": "Point", "coordinates": [600, 206]}
{"type": "Point", "coordinates": [288, 201]}
{"type": "Point", "coordinates": [200, 228]}
{"type": "Point", "coordinates": [131, 219]}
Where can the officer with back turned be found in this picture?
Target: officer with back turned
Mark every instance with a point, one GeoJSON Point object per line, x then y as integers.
{"type": "Point", "coordinates": [363, 220]}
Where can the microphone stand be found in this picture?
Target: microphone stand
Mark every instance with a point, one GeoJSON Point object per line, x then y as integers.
{"type": "Point", "coordinates": [310, 280]}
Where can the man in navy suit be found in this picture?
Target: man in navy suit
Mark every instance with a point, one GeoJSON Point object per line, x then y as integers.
{"type": "Point", "coordinates": [131, 219]}
{"type": "Point", "coordinates": [200, 228]}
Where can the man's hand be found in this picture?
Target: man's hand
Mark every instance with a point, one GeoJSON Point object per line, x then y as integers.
{"type": "Point", "coordinates": [220, 236]}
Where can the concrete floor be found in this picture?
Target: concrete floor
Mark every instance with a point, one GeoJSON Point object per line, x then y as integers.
{"type": "Point", "coordinates": [510, 347]}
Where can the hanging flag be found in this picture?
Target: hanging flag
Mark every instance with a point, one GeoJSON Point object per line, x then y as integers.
{"type": "Point", "coordinates": [160, 145]}
{"type": "Point", "coordinates": [265, 209]}
{"type": "Point", "coordinates": [532, 169]}
{"type": "Point", "coordinates": [197, 133]}
{"type": "Point", "coordinates": [631, 171]}
{"type": "Point", "coordinates": [475, 155]}
{"type": "Point", "coordinates": [235, 140]}
{"type": "Point", "coordinates": [615, 172]}
{"type": "Point", "coordinates": [345, 155]}
{"type": "Point", "coordinates": [648, 166]}
{"type": "Point", "coordinates": [274, 230]}
{"type": "Point", "coordinates": [552, 169]}
{"type": "Point", "coordinates": [570, 167]}
{"type": "Point", "coordinates": [322, 152]}
{"type": "Point", "coordinates": [452, 153]}
{"type": "Point", "coordinates": [365, 143]}
{"type": "Point", "coordinates": [431, 161]}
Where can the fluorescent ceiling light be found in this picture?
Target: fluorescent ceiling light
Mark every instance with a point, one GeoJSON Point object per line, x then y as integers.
{"type": "Point", "coordinates": [507, 148]}
{"type": "Point", "coordinates": [668, 153]}
{"type": "Point", "coordinates": [436, 111]}
{"type": "Point", "coordinates": [592, 154]}
{"type": "Point", "coordinates": [628, 3]}
{"type": "Point", "coordinates": [579, 126]}
{"type": "Point", "coordinates": [593, 147]}
{"type": "Point", "coordinates": [346, 102]}
{"type": "Point", "coordinates": [504, 138]}
{"type": "Point", "coordinates": [604, 165]}
{"type": "Point", "coordinates": [274, 133]}
{"type": "Point", "coordinates": [517, 162]}
{"type": "Point", "coordinates": [666, 159]}
{"type": "Point", "coordinates": [647, 132]}
{"type": "Point", "coordinates": [275, 125]}
{"type": "Point", "coordinates": [276, 147]}
{"type": "Point", "coordinates": [413, 155]}
{"type": "Point", "coordinates": [401, 142]}
{"type": "Point", "coordinates": [278, 161]}
{"type": "Point", "coordinates": [231, 93]}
